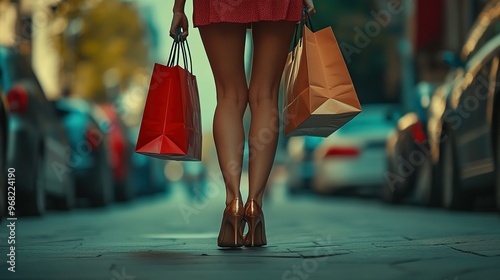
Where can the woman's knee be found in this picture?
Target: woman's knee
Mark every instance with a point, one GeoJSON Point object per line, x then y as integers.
{"type": "Point", "coordinates": [261, 96]}
{"type": "Point", "coordinates": [232, 95]}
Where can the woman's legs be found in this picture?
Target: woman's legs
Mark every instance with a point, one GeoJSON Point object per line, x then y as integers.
{"type": "Point", "coordinates": [271, 42]}
{"type": "Point", "coordinates": [225, 45]}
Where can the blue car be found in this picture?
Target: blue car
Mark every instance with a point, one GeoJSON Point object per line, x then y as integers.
{"type": "Point", "coordinates": [89, 156]}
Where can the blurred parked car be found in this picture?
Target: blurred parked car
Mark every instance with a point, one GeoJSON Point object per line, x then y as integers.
{"type": "Point", "coordinates": [3, 150]}
{"type": "Point", "coordinates": [408, 154]}
{"type": "Point", "coordinates": [430, 178]}
{"type": "Point", "coordinates": [89, 160]}
{"type": "Point", "coordinates": [148, 174]}
{"type": "Point", "coordinates": [354, 156]}
{"type": "Point", "coordinates": [300, 164]}
{"type": "Point", "coordinates": [195, 177]}
{"type": "Point", "coordinates": [37, 140]}
{"type": "Point", "coordinates": [470, 152]}
{"type": "Point", "coordinates": [120, 151]}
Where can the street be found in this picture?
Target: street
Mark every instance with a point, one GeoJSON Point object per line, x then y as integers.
{"type": "Point", "coordinates": [371, 126]}
{"type": "Point", "coordinates": [173, 236]}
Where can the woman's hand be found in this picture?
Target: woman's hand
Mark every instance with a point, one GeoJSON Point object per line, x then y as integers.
{"type": "Point", "coordinates": [310, 7]}
{"type": "Point", "coordinates": [179, 21]}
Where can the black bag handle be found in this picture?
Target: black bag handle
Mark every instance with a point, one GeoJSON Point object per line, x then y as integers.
{"type": "Point", "coordinates": [297, 36]}
{"type": "Point", "coordinates": [179, 46]}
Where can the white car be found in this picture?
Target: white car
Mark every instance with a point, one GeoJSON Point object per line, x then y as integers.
{"type": "Point", "coordinates": [355, 155]}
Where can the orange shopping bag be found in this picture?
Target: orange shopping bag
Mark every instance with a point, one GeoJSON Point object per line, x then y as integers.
{"type": "Point", "coordinates": [319, 96]}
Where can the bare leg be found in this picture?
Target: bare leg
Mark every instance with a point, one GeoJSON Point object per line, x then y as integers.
{"type": "Point", "coordinates": [225, 45]}
{"type": "Point", "coordinates": [271, 43]}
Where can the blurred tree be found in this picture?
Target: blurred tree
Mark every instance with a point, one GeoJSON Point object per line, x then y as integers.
{"type": "Point", "coordinates": [102, 43]}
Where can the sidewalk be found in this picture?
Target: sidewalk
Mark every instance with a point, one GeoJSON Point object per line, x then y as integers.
{"type": "Point", "coordinates": [308, 238]}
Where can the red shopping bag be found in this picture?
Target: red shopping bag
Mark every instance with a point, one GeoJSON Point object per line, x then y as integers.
{"type": "Point", "coordinates": [171, 122]}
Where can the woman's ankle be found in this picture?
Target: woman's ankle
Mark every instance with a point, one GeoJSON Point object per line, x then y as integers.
{"type": "Point", "coordinates": [257, 200]}
{"type": "Point", "coordinates": [232, 196]}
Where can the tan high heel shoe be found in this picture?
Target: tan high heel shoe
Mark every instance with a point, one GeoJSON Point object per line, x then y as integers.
{"type": "Point", "coordinates": [233, 223]}
{"type": "Point", "coordinates": [254, 216]}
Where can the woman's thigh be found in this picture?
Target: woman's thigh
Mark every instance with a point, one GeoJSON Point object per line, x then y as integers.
{"type": "Point", "coordinates": [225, 47]}
{"type": "Point", "coordinates": [271, 45]}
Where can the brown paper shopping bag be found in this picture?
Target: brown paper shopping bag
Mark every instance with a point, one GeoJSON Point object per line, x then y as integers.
{"type": "Point", "coordinates": [319, 96]}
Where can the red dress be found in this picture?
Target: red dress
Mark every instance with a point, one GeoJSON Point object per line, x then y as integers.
{"type": "Point", "coordinates": [245, 11]}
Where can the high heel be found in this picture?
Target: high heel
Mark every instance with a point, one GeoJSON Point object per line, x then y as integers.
{"type": "Point", "coordinates": [233, 223]}
{"type": "Point", "coordinates": [254, 216]}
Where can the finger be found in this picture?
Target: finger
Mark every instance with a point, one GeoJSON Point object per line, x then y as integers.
{"type": "Point", "coordinates": [310, 8]}
{"type": "Point", "coordinates": [172, 30]}
{"type": "Point", "coordinates": [185, 28]}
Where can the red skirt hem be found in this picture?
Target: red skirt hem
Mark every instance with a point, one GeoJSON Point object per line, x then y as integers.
{"type": "Point", "coordinates": [245, 11]}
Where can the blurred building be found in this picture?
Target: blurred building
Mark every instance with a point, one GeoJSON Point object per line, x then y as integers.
{"type": "Point", "coordinates": [32, 40]}
{"type": "Point", "coordinates": [439, 26]}
{"type": "Point", "coordinates": [8, 19]}
{"type": "Point", "coordinates": [459, 16]}
{"type": "Point", "coordinates": [433, 27]}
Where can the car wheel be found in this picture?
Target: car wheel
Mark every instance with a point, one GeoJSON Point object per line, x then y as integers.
{"type": "Point", "coordinates": [498, 192]}
{"type": "Point", "coordinates": [36, 205]}
{"type": "Point", "coordinates": [103, 192]}
{"type": "Point", "coordinates": [125, 189]}
{"type": "Point", "coordinates": [454, 198]}
{"type": "Point", "coordinates": [68, 200]}
{"type": "Point", "coordinates": [157, 175]}
{"type": "Point", "coordinates": [392, 188]}
{"type": "Point", "coordinates": [427, 189]}
{"type": "Point", "coordinates": [497, 165]}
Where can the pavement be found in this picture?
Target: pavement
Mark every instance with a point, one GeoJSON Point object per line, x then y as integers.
{"type": "Point", "coordinates": [173, 236]}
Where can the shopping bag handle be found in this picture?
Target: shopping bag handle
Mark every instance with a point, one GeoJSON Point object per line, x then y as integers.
{"type": "Point", "coordinates": [179, 46]}
{"type": "Point", "coordinates": [297, 36]}
{"type": "Point", "coordinates": [309, 19]}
